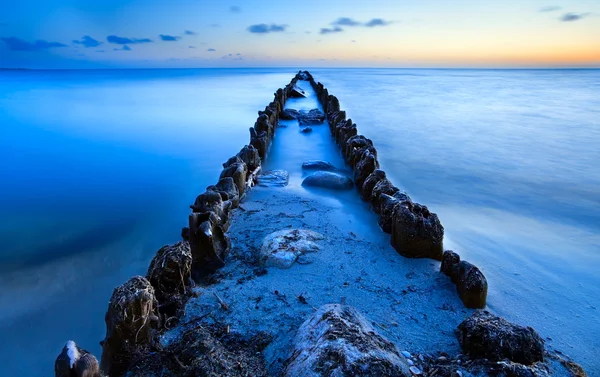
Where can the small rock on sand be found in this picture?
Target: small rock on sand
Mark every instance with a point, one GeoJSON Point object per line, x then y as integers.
{"type": "Point", "coordinates": [329, 180]}
{"type": "Point", "coordinates": [274, 178]}
{"type": "Point", "coordinates": [306, 130]}
{"type": "Point", "coordinates": [282, 248]}
{"type": "Point", "coordinates": [318, 165]}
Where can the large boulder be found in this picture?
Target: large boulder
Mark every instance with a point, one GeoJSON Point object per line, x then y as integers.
{"type": "Point", "coordinates": [274, 178]}
{"type": "Point", "coordinates": [76, 362]}
{"type": "Point", "coordinates": [170, 274]}
{"type": "Point", "coordinates": [249, 156]}
{"type": "Point", "coordinates": [131, 323]}
{"type": "Point", "coordinates": [312, 117]}
{"type": "Point", "coordinates": [339, 341]}
{"type": "Point", "coordinates": [484, 335]}
{"type": "Point", "coordinates": [264, 125]}
{"type": "Point", "coordinates": [470, 282]}
{"type": "Point", "coordinates": [367, 165]}
{"type": "Point", "coordinates": [282, 248]}
{"type": "Point", "coordinates": [328, 180]}
{"type": "Point", "coordinates": [318, 165]}
{"type": "Point", "coordinates": [417, 232]}
{"type": "Point", "coordinates": [386, 213]}
{"type": "Point", "coordinates": [209, 244]}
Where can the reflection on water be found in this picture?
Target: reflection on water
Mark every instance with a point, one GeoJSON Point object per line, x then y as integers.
{"type": "Point", "coordinates": [99, 167]}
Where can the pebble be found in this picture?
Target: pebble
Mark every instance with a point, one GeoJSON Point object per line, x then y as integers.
{"type": "Point", "coordinates": [406, 354]}
{"type": "Point", "coordinates": [410, 362]}
{"type": "Point", "coordinates": [416, 371]}
{"type": "Point", "coordinates": [459, 373]}
{"type": "Point", "coordinates": [442, 358]}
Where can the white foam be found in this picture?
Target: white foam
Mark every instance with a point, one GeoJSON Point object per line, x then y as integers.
{"type": "Point", "coordinates": [72, 352]}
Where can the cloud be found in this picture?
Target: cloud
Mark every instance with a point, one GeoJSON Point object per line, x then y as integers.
{"type": "Point", "coordinates": [189, 32]}
{"type": "Point", "coordinates": [568, 17]}
{"type": "Point", "coordinates": [211, 50]}
{"type": "Point", "coordinates": [17, 44]}
{"type": "Point", "coordinates": [87, 42]}
{"type": "Point", "coordinates": [377, 22]}
{"type": "Point", "coordinates": [551, 8]}
{"type": "Point", "coordinates": [126, 41]}
{"type": "Point", "coordinates": [169, 38]}
{"type": "Point", "coordinates": [345, 21]}
{"type": "Point", "coordinates": [264, 28]}
{"type": "Point", "coordinates": [125, 48]}
{"type": "Point", "coordinates": [235, 9]}
{"type": "Point", "coordinates": [336, 29]}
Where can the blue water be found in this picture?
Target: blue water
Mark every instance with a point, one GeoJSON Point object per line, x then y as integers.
{"type": "Point", "coordinates": [98, 169]}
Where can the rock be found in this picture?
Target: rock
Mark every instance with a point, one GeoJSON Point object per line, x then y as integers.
{"type": "Point", "coordinates": [282, 248]}
{"type": "Point", "coordinates": [131, 323]}
{"type": "Point", "coordinates": [306, 130]}
{"type": "Point", "coordinates": [75, 362]}
{"type": "Point", "coordinates": [209, 201]}
{"type": "Point", "coordinates": [238, 172]}
{"type": "Point", "coordinates": [416, 232]}
{"type": "Point", "coordinates": [318, 165]}
{"type": "Point", "coordinates": [170, 274]}
{"type": "Point", "coordinates": [370, 182]}
{"type": "Point", "coordinates": [329, 180]}
{"type": "Point", "coordinates": [383, 186]}
{"type": "Point", "coordinates": [339, 341]}
{"type": "Point", "coordinates": [364, 168]}
{"type": "Point", "coordinates": [250, 156]}
{"type": "Point", "coordinates": [344, 131]}
{"type": "Point", "coordinates": [484, 335]}
{"type": "Point", "coordinates": [386, 213]}
{"type": "Point", "coordinates": [228, 190]}
{"type": "Point", "coordinates": [314, 116]}
{"type": "Point", "coordinates": [406, 354]}
{"type": "Point", "coordinates": [289, 114]}
{"type": "Point", "coordinates": [470, 282]}
{"type": "Point", "coordinates": [260, 141]}
{"type": "Point", "coordinates": [416, 371]}
{"type": "Point", "coordinates": [208, 244]}
{"type": "Point", "coordinates": [296, 92]}
{"type": "Point", "coordinates": [274, 178]}
{"type": "Point", "coordinates": [354, 147]}
{"type": "Point", "coordinates": [264, 125]}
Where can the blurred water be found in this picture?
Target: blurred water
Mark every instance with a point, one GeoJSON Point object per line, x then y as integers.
{"type": "Point", "coordinates": [98, 169]}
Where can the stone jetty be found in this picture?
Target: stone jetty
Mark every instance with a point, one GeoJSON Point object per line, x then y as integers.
{"type": "Point", "coordinates": [283, 273]}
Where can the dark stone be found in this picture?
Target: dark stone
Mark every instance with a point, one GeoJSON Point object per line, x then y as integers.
{"type": "Point", "coordinates": [484, 335]}
{"type": "Point", "coordinates": [209, 201]}
{"type": "Point", "coordinates": [318, 165]}
{"type": "Point", "coordinates": [131, 323]}
{"type": "Point", "coordinates": [339, 341]}
{"type": "Point", "coordinates": [306, 130]}
{"type": "Point", "coordinates": [289, 114]}
{"type": "Point", "coordinates": [383, 186]}
{"type": "Point", "coordinates": [264, 125]}
{"type": "Point", "coordinates": [329, 180]}
{"type": "Point", "coordinates": [471, 284]}
{"type": "Point", "coordinates": [208, 243]}
{"type": "Point", "coordinates": [354, 147]}
{"type": "Point", "coordinates": [312, 117]}
{"type": "Point", "coordinates": [76, 362]}
{"type": "Point", "coordinates": [335, 118]}
{"type": "Point", "coordinates": [364, 168]}
{"type": "Point", "coordinates": [333, 104]}
{"type": "Point", "coordinates": [228, 190]}
{"type": "Point", "coordinates": [185, 233]}
{"type": "Point", "coordinates": [237, 171]}
{"type": "Point", "coordinates": [250, 156]}
{"type": "Point", "coordinates": [274, 178]}
{"type": "Point", "coordinates": [260, 141]}
{"type": "Point", "coordinates": [416, 232]}
{"type": "Point", "coordinates": [170, 275]}
{"type": "Point", "coordinates": [344, 131]}
{"type": "Point", "coordinates": [387, 208]}
{"type": "Point", "coordinates": [296, 92]}
{"type": "Point", "coordinates": [370, 182]}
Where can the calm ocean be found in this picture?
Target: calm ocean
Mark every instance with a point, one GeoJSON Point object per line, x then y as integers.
{"type": "Point", "coordinates": [98, 168]}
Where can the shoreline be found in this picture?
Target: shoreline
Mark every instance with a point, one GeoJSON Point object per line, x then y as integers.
{"type": "Point", "coordinates": [208, 251]}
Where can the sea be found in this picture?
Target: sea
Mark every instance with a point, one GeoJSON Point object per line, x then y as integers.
{"type": "Point", "coordinates": [98, 169]}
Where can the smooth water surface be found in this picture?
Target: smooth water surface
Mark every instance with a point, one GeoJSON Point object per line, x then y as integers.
{"type": "Point", "coordinates": [98, 169]}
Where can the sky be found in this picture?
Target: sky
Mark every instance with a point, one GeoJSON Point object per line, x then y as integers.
{"type": "Point", "coordinates": [311, 33]}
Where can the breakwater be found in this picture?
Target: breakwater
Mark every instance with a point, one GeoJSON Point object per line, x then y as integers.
{"type": "Point", "coordinates": [144, 308]}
